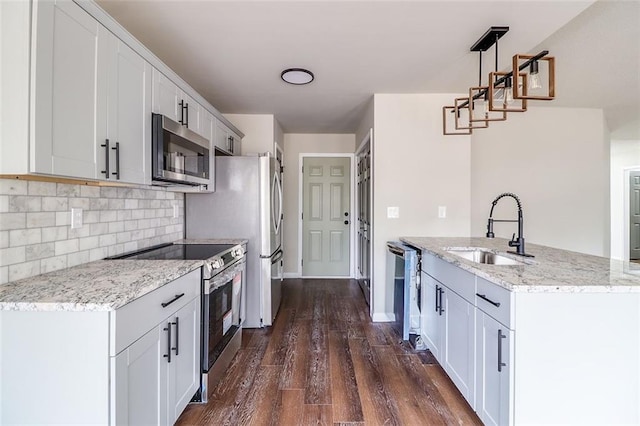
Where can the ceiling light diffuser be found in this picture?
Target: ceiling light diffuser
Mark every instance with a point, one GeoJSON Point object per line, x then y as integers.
{"type": "Point", "coordinates": [297, 76]}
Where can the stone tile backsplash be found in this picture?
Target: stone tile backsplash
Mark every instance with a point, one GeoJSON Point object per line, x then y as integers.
{"type": "Point", "coordinates": [35, 224]}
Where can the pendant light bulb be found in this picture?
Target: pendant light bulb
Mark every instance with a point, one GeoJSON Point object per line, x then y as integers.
{"type": "Point", "coordinates": [485, 104]}
{"type": "Point", "coordinates": [534, 76]}
{"type": "Point", "coordinates": [508, 91]}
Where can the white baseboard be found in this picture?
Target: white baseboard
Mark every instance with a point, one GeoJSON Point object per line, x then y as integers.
{"type": "Point", "coordinates": [383, 317]}
{"type": "Point", "coordinates": [286, 275]}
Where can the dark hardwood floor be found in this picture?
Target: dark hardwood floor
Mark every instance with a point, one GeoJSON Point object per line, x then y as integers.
{"type": "Point", "coordinates": [324, 362]}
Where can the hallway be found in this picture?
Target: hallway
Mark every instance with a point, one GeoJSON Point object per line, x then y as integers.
{"type": "Point", "coordinates": [325, 363]}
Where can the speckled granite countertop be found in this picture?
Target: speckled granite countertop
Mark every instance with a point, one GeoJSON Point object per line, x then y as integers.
{"type": "Point", "coordinates": [104, 285]}
{"type": "Point", "coordinates": [552, 270]}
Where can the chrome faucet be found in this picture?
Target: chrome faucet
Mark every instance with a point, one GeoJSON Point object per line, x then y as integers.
{"type": "Point", "coordinates": [515, 242]}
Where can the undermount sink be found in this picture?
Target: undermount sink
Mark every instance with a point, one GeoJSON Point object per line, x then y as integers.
{"type": "Point", "coordinates": [484, 256]}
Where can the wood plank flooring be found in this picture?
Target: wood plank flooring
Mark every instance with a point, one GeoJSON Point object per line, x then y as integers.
{"type": "Point", "coordinates": [324, 362]}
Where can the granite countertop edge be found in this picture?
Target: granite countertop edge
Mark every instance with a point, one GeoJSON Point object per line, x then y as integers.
{"type": "Point", "coordinates": [102, 285]}
{"type": "Point", "coordinates": [551, 271]}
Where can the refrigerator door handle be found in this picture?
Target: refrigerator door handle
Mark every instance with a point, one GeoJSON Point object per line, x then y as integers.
{"type": "Point", "coordinates": [279, 202]}
{"type": "Point", "coordinates": [276, 216]}
{"type": "Point", "coordinates": [276, 257]}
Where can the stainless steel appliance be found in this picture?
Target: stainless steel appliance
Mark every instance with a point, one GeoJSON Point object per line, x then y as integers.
{"type": "Point", "coordinates": [247, 204]}
{"type": "Point", "coordinates": [178, 155]}
{"type": "Point", "coordinates": [223, 299]}
{"type": "Point", "coordinates": [403, 274]}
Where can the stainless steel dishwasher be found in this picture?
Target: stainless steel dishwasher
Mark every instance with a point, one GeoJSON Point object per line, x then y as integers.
{"type": "Point", "coordinates": [403, 274]}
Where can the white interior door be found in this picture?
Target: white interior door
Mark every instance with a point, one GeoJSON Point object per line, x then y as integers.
{"type": "Point", "coordinates": [326, 216]}
{"type": "Point", "coordinates": [634, 215]}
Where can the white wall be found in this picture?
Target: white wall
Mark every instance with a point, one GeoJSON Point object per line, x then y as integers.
{"type": "Point", "coordinates": [366, 123]}
{"type": "Point", "coordinates": [417, 169]}
{"type": "Point", "coordinates": [625, 155]}
{"type": "Point", "coordinates": [295, 144]}
{"type": "Point", "coordinates": [258, 131]}
{"type": "Point", "coordinates": [557, 161]}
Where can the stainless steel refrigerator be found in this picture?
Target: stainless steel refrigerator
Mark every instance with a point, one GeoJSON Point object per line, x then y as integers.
{"type": "Point", "coordinates": [247, 203]}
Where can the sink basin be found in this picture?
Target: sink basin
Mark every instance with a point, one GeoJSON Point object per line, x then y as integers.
{"type": "Point", "coordinates": [485, 256]}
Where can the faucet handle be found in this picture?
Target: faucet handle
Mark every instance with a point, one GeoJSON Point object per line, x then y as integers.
{"type": "Point", "coordinates": [514, 242]}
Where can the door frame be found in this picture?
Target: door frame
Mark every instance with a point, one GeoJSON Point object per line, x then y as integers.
{"type": "Point", "coordinates": [352, 228]}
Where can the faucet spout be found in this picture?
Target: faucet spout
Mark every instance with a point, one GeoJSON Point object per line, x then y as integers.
{"type": "Point", "coordinates": [518, 242]}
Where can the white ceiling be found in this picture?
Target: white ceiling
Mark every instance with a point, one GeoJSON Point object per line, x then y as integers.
{"type": "Point", "coordinates": [232, 52]}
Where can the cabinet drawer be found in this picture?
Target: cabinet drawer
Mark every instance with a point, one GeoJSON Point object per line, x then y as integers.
{"type": "Point", "coordinates": [458, 280]}
{"type": "Point", "coordinates": [138, 317]}
{"type": "Point", "coordinates": [494, 300]}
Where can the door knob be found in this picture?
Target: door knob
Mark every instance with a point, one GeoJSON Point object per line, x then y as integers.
{"type": "Point", "coordinates": [346, 222]}
{"type": "Point", "coordinates": [346, 213]}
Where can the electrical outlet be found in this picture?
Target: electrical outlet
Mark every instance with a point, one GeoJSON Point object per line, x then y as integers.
{"type": "Point", "coordinates": [442, 212]}
{"type": "Point", "coordinates": [393, 212]}
{"type": "Point", "coordinates": [76, 218]}
{"type": "Point", "coordinates": [176, 211]}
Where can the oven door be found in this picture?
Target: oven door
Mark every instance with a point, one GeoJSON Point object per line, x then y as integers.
{"type": "Point", "coordinates": [218, 322]}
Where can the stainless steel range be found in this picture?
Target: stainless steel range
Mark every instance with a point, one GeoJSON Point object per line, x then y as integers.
{"type": "Point", "coordinates": [223, 299]}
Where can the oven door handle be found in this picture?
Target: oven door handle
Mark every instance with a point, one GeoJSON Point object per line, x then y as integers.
{"type": "Point", "coordinates": [395, 250]}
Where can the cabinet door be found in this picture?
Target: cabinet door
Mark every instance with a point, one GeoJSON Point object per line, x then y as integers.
{"type": "Point", "coordinates": [222, 136]}
{"type": "Point", "coordinates": [459, 335]}
{"type": "Point", "coordinates": [191, 113]}
{"type": "Point", "coordinates": [139, 381]}
{"type": "Point", "coordinates": [166, 97]}
{"type": "Point", "coordinates": [432, 319]}
{"type": "Point", "coordinates": [236, 144]}
{"type": "Point", "coordinates": [184, 369]}
{"type": "Point", "coordinates": [208, 128]}
{"type": "Point", "coordinates": [493, 370]}
{"type": "Point", "coordinates": [129, 117]}
{"type": "Point", "coordinates": [70, 82]}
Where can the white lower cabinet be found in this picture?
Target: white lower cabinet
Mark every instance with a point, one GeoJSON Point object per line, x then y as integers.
{"type": "Point", "coordinates": [449, 332]}
{"type": "Point", "coordinates": [493, 370]}
{"type": "Point", "coordinates": [137, 365]}
{"type": "Point", "coordinates": [458, 350]}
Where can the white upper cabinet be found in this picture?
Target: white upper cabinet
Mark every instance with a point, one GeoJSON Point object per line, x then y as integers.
{"type": "Point", "coordinates": [128, 129]}
{"type": "Point", "coordinates": [70, 82]}
{"type": "Point", "coordinates": [166, 97]}
{"type": "Point", "coordinates": [226, 139]}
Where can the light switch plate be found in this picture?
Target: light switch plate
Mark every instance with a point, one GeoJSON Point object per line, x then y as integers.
{"type": "Point", "coordinates": [393, 212]}
{"type": "Point", "coordinates": [176, 211]}
{"type": "Point", "coordinates": [76, 218]}
{"type": "Point", "coordinates": [442, 212]}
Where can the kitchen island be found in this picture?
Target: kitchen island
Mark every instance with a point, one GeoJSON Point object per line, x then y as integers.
{"type": "Point", "coordinates": [550, 339]}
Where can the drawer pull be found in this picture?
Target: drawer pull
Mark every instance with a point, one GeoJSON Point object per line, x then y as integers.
{"type": "Point", "coordinates": [178, 296]}
{"type": "Point", "coordinates": [485, 298]}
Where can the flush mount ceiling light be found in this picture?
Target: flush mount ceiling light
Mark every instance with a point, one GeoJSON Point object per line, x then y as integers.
{"type": "Point", "coordinates": [505, 92]}
{"type": "Point", "coordinates": [297, 76]}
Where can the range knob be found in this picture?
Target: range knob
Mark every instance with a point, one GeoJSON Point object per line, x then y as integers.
{"type": "Point", "coordinates": [217, 263]}
{"type": "Point", "coordinates": [237, 253]}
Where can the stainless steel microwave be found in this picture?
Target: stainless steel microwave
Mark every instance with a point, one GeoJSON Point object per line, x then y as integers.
{"type": "Point", "coordinates": [179, 155]}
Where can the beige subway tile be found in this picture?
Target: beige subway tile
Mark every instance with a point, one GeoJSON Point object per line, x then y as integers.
{"type": "Point", "coordinates": [98, 204]}
{"type": "Point", "coordinates": [131, 204]}
{"type": "Point", "coordinates": [53, 263]}
{"type": "Point", "coordinates": [4, 239]}
{"type": "Point", "coordinates": [107, 240]}
{"type": "Point", "coordinates": [98, 253]}
{"type": "Point", "coordinates": [40, 251]}
{"type": "Point", "coordinates": [99, 228]}
{"type": "Point", "coordinates": [55, 204]}
{"type": "Point", "coordinates": [77, 258]}
{"type": "Point", "coordinates": [123, 237]}
{"type": "Point", "coordinates": [4, 203]}
{"type": "Point", "coordinates": [108, 216]}
{"type": "Point", "coordinates": [106, 192]}
{"type": "Point", "coordinates": [130, 225]}
{"type": "Point", "coordinates": [12, 255]}
{"type": "Point", "coordinates": [24, 203]}
{"type": "Point", "coordinates": [66, 246]}
{"type": "Point", "coordinates": [137, 214]}
{"type": "Point", "coordinates": [66, 190]}
{"type": "Point", "coordinates": [24, 270]}
{"type": "Point", "coordinates": [10, 221]}
{"type": "Point", "coordinates": [4, 274]}
{"type": "Point", "coordinates": [91, 216]}
{"type": "Point", "coordinates": [80, 203]}
{"type": "Point", "coordinates": [41, 188]}
{"type": "Point", "coordinates": [90, 191]}
{"type": "Point", "coordinates": [63, 218]}
{"type": "Point", "coordinates": [88, 243]}
{"type": "Point", "coordinates": [23, 237]}
{"type": "Point", "coordinates": [116, 227]}
{"type": "Point", "coordinates": [13, 187]}
{"type": "Point", "coordinates": [54, 233]}
{"type": "Point", "coordinates": [83, 231]}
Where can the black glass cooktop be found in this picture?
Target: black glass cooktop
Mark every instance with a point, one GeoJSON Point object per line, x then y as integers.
{"type": "Point", "coordinates": [177, 252]}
